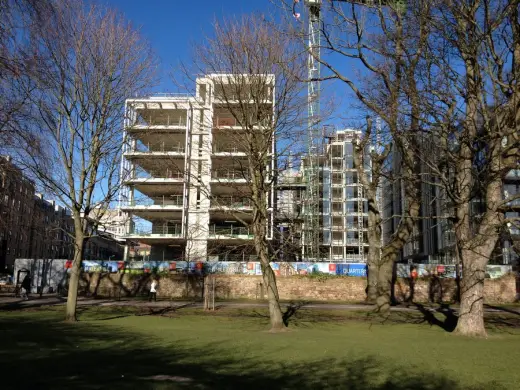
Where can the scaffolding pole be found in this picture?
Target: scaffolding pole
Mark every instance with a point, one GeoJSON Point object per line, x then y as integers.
{"type": "Point", "coordinates": [360, 219]}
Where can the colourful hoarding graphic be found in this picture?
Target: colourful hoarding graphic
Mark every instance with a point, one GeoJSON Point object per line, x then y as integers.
{"type": "Point", "coordinates": [448, 271]}
{"type": "Point", "coordinates": [302, 268]}
{"type": "Point", "coordinates": [258, 269]}
{"type": "Point", "coordinates": [99, 266]}
{"type": "Point", "coordinates": [280, 268]}
{"type": "Point", "coordinates": [497, 271]}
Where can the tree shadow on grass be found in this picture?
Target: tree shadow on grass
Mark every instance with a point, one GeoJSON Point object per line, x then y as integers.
{"type": "Point", "coordinates": [423, 315]}
{"type": "Point", "coordinates": [295, 314]}
{"type": "Point", "coordinates": [40, 353]}
{"type": "Point", "coordinates": [449, 323]}
{"type": "Point", "coordinates": [291, 309]}
{"type": "Point", "coordinates": [22, 305]}
{"type": "Point", "coordinates": [103, 313]}
{"type": "Point", "coordinates": [502, 309]}
{"type": "Point", "coordinates": [164, 311]}
{"type": "Point", "coordinates": [501, 321]}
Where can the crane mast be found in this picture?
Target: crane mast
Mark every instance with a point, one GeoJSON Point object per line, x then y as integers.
{"type": "Point", "coordinates": [314, 139]}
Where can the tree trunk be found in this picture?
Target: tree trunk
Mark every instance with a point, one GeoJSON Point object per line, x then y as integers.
{"type": "Point", "coordinates": [262, 250]}
{"type": "Point", "coordinates": [374, 249]}
{"type": "Point", "coordinates": [372, 278]}
{"type": "Point", "coordinates": [384, 287]}
{"type": "Point", "coordinates": [275, 311]}
{"type": "Point", "coordinates": [471, 314]}
{"type": "Point", "coordinates": [72, 297]}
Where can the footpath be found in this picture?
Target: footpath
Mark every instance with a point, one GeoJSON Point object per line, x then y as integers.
{"type": "Point", "coordinates": [9, 302]}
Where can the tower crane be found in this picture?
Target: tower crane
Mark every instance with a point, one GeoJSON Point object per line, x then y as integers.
{"type": "Point", "coordinates": [312, 226]}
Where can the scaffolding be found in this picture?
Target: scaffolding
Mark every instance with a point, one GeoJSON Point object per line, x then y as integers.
{"type": "Point", "coordinates": [312, 226]}
{"type": "Point", "coordinates": [340, 185]}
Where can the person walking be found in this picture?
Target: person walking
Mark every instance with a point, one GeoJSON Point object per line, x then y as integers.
{"type": "Point", "coordinates": [153, 290]}
{"type": "Point", "coordinates": [26, 286]}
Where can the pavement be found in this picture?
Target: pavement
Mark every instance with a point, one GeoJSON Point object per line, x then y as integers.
{"type": "Point", "coordinates": [9, 302]}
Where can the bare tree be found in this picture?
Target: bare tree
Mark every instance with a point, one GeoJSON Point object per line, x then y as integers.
{"type": "Point", "coordinates": [92, 60]}
{"type": "Point", "coordinates": [385, 44]}
{"type": "Point", "coordinates": [18, 61]}
{"type": "Point", "coordinates": [470, 93]}
{"type": "Point", "coordinates": [252, 71]}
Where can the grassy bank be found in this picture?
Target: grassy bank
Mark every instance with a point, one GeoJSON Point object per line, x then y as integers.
{"type": "Point", "coordinates": [230, 349]}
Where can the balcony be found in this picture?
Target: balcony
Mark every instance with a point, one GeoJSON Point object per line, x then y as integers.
{"type": "Point", "coordinates": [231, 202]}
{"type": "Point", "coordinates": [353, 241]}
{"type": "Point", "coordinates": [354, 258]}
{"type": "Point", "coordinates": [337, 228]}
{"type": "Point", "coordinates": [229, 231]}
{"type": "Point", "coordinates": [352, 211]}
{"type": "Point", "coordinates": [240, 258]}
{"type": "Point", "coordinates": [174, 201]}
{"type": "Point", "coordinates": [159, 119]}
{"type": "Point", "coordinates": [227, 150]}
{"type": "Point", "coordinates": [159, 147]}
{"type": "Point", "coordinates": [354, 227]}
{"type": "Point", "coordinates": [256, 97]}
{"type": "Point", "coordinates": [166, 174]}
{"type": "Point", "coordinates": [166, 231]}
{"type": "Point", "coordinates": [290, 180]}
{"type": "Point", "coordinates": [223, 122]}
{"type": "Point", "coordinates": [230, 175]}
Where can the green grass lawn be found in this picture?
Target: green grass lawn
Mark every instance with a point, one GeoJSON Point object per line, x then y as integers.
{"type": "Point", "coordinates": [230, 349]}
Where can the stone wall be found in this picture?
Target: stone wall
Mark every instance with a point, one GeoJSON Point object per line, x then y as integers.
{"type": "Point", "coordinates": [501, 290]}
{"type": "Point", "coordinates": [303, 288]}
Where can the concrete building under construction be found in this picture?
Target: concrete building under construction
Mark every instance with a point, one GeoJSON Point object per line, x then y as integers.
{"type": "Point", "coordinates": [342, 220]}
{"type": "Point", "coordinates": [186, 183]}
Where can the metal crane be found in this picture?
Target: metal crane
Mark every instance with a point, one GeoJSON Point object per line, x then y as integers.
{"type": "Point", "coordinates": [312, 218]}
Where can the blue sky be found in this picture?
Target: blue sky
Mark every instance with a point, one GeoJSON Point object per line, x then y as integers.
{"type": "Point", "coordinates": [172, 26]}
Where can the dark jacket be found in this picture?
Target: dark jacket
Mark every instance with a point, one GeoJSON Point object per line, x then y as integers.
{"type": "Point", "coordinates": [26, 284]}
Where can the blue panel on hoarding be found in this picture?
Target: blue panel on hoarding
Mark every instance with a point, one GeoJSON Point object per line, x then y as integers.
{"type": "Point", "coordinates": [341, 269]}
{"type": "Point", "coordinates": [211, 267]}
{"type": "Point", "coordinates": [112, 266]}
{"type": "Point", "coordinates": [357, 270]}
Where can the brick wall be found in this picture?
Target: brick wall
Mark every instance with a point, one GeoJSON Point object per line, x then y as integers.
{"type": "Point", "coordinates": [352, 289]}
